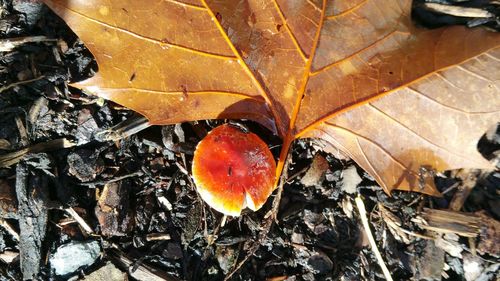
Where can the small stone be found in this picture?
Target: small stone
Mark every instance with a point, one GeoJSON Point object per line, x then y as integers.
{"type": "Point", "coordinates": [429, 265]}
{"type": "Point", "coordinates": [74, 256]}
{"type": "Point", "coordinates": [8, 256]}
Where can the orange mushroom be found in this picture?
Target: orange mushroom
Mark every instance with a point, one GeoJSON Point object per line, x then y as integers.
{"type": "Point", "coordinates": [233, 170]}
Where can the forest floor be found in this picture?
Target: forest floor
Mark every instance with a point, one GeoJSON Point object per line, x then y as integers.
{"type": "Point", "coordinates": [76, 205]}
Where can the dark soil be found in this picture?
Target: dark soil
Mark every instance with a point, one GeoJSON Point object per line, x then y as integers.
{"type": "Point", "coordinates": [136, 200]}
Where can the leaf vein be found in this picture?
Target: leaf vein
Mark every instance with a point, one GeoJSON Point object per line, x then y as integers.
{"type": "Point", "coordinates": [246, 68]}
{"type": "Point", "coordinates": [236, 94]}
{"type": "Point", "coordinates": [375, 173]}
{"type": "Point", "coordinates": [368, 140]}
{"type": "Point", "coordinates": [376, 109]}
{"type": "Point", "coordinates": [415, 91]}
{"type": "Point", "coordinates": [492, 57]}
{"type": "Point", "coordinates": [192, 6]}
{"type": "Point", "coordinates": [348, 11]}
{"type": "Point", "coordinates": [288, 29]}
{"type": "Point", "coordinates": [327, 67]}
{"type": "Point", "coordinates": [154, 40]}
{"type": "Point", "coordinates": [472, 73]}
{"type": "Point", "coordinates": [314, 5]}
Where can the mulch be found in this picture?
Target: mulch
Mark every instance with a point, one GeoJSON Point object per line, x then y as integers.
{"type": "Point", "coordinates": [75, 205]}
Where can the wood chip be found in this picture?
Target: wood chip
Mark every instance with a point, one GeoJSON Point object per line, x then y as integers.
{"type": "Point", "coordinates": [443, 221]}
{"type": "Point", "coordinates": [316, 172]}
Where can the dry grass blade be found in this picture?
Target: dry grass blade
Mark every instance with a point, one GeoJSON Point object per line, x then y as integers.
{"type": "Point", "coordinates": [373, 244]}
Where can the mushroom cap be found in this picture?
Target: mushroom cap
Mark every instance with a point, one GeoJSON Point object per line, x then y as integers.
{"type": "Point", "coordinates": [233, 169]}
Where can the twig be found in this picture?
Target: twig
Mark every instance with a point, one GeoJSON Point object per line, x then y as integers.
{"type": "Point", "coordinates": [9, 229]}
{"type": "Point", "coordinates": [466, 12]}
{"type": "Point", "coordinates": [6, 45]}
{"type": "Point", "coordinates": [134, 174]}
{"type": "Point", "coordinates": [79, 220]}
{"type": "Point", "coordinates": [12, 85]}
{"type": "Point", "coordinates": [124, 129]}
{"type": "Point", "coordinates": [12, 158]}
{"type": "Point", "coordinates": [364, 220]}
{"type": "Point", "coordinates": [158, 237]}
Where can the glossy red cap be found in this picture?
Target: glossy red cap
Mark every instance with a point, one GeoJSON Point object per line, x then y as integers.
{"type": "Point", "coordinates": [233, 169]}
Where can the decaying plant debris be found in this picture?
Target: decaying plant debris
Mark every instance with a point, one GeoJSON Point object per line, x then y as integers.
{"type": "Point", "coordinates": [127, 209]}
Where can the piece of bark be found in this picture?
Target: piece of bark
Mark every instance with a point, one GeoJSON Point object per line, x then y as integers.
{"type": "Point", "coordinates": [489, 238]}
{"type": "Point", "coordinates": [84, 164]}
{"type": "Point", "coordinates": [469, 179]}
{"type": "Point", "coordinates": [443, 221]}
{"type": "Point", "coordinates": [32, 191]}
{"type": "Point", "coordinates": [8, 201]}
{"type": "Point", "coordinates": [316, 172]}
{"type": "Point", "coordinates": [429, 266]}
{"type": "Point", "coordinates": [113, 209]}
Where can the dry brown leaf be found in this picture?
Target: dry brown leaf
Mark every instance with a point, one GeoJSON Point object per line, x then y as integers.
{"type": "Point", "coordinates": [356, 73]}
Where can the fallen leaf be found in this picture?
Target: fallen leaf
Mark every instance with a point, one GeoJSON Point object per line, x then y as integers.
{"type": "Point", "coordinates": [357, 74]}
